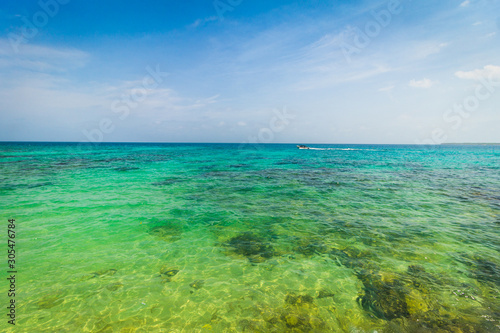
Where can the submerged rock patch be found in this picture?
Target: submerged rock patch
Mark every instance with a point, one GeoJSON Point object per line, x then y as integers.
{"type": "Point", "coordinates": [385, 299]}
{"type": "Point", "coordinates": [247, 244]}
{"type": "Point", "coordinates": [104, 272]}
{"type": "Point", "coordinates": [486, 271]}
{"type": "Point", "coordinates": [123, 169]}
{"type": "Point", "coordinates": [167, 273]}
{"type": "Point", "coordinates": [50, 301]}
{"type": "Point", "coordinates": [198, 284]}
{"type": "Point", "coordinates": [166, 231]}
{"type": "Point", "coordinates": [298, 300]}
{"type": "Point", "coordinates": [166, 182]}
{"type": "Point", "coordinates": [114, 286]}
{"type": "Point", "coordinates": [483, 270]}
{"type": "Point", "coordinates": [310, 247]}
{"type": "Point", "coordinates": [323, 293]}
{"type": "Point", "coordinates": [353, 258]}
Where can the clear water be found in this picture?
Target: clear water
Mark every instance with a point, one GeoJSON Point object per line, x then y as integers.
{"type": "Point", "coordinates": [229, 238]}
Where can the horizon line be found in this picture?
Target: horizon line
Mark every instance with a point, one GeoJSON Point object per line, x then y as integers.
{"type": "Point", "coordinates": [256, 143]}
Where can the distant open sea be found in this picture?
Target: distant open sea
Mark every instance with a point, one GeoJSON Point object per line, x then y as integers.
{"type": "Point", "coordinates": [229, 238]}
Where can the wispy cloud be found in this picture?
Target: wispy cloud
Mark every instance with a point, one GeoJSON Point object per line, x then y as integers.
{"type": "Point", "coordinates": [202, 22]}
{"type": "Point", "coordinates": [465, 3]}
{"type": "Point", "coordinates": [44, 74]}
{"type": "Point", "coordinates": [387, 89]}
{"type": "Point", "coordinates": [42, 58]}
{"type": "Point", "coordinates": [427, 48]}
{"type": "Point", "coordinates": [489, 71]}
{"type": "Point", "coordinates": [424, 83]}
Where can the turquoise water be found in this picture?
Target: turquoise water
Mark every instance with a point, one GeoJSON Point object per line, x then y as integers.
{"type": "Point", "coordinates": [230, 238]}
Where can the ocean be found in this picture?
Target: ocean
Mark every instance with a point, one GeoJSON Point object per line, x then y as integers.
{"type": "Point", "coordinates": [251, 238]}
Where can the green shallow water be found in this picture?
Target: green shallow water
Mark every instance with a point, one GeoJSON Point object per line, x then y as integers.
{"type": "Point", "coordinates": [229, 238]}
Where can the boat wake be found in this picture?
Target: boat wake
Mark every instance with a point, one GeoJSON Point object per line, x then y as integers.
{"type": "Point", "coordinates": [341, 149]}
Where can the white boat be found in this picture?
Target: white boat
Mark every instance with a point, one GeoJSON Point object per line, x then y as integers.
{"type": "Point", "coordinates": [303, 147]}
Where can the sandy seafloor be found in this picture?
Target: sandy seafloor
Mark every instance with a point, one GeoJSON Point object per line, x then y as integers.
{"type": "Point", "coordinates": [230, 238]}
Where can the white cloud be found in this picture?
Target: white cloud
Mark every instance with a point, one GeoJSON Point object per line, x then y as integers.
{"type": "Point", "coordinates": [40, 72]}
{"type": "Point", "coordinates": [57, 99]}
{"type": "Point", "coordinates": [325, 46]}
{"type": "Point", "coordinates": [202, 22]}
{"type": "Point", "coordinates": [465, 3]}
{"type": "Point", "coordinates": [68, 108]}
{"type": "Point", "coordinates": [41, 58]}
{"type": "Point", "coordinates": [386, 89]}
{"type": "Point", "coordinates": [424, 83]}
{"type": "Point", "coordinates": [489, 71]}
{"type": "Point", "coordinates": [425, 49]}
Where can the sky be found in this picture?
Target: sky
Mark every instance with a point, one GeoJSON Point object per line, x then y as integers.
{"type": "Point", "coordinates": [375, 72]}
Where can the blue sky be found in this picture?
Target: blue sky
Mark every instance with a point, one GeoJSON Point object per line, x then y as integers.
{"type": "Point", "coordinates": [391, 71]}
